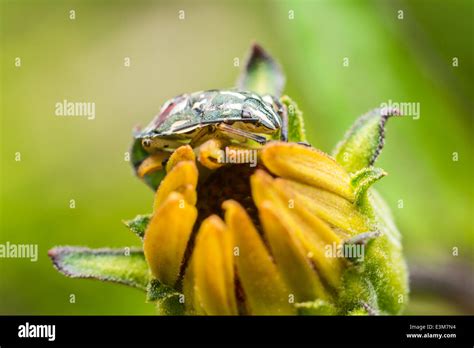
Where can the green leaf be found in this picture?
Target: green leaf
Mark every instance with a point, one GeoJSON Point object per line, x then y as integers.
{"type": "Point", "coordinates": [364, 141]}
{"type": "Point", "coordinates": [261, 73]}
{"type": "Point", "coordinates": [296, 132]}
{"type": "Point", "coordinates": [112, 265]}
{"type": "Point", "coordinates": [363, 180]}
{"type": "Point", "coordinates": [138, 224]}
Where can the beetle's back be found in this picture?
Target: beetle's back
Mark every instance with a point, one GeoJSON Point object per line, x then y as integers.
{"type": "Point", "coordinates": [187, 112]}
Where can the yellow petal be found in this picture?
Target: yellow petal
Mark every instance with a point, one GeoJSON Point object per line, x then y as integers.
{"type": "Point", "coordinates": [290, 256]}
{"type": "Point", "coordinates": [315, 235]}
{"type": "Point", "coordinates": [181, 175]}
{"type": "Point", "coordinates": [181, 154]}
{"type": "Point", "coordinates": [152, 163]}
{"type": "Point", "coordinates": [327, 205]}
{"type": "Point", "coordinates": [191, 303]}
{"type": "Point", "coordinates": [264, 288]}
{"type": "Point", "coordinates": [166, 237]}
{"type": "Point", "coordinates": [307, 165]}
{"type": "Point", "coordinates": [210, 153]}
{"type": "Point", "coordinates": [189, 193]}
{"type": "Point", "coordinates": [214, 269]}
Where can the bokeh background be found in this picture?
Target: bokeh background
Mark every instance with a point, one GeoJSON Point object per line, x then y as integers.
{"type": "Point", "coordinates": [63, 158]}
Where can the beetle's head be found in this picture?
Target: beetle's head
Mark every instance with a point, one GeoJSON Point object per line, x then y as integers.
{"type": "Point", "coordinates": [154, 143]}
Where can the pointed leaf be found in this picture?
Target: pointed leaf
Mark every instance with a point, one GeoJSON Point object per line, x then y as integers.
{"type": "Point", "coordinates": [364, 141]}
{"type": "Point", "coordinates": [296, 132]}
{"type": "Point", "coordinates": [111, 265]}
{"type": "Point", "coordinates": [363, 180]}
{"type": "Point", "coordinates": [138, 224]}
{"type": "Point", "coordinates": [261, 73]}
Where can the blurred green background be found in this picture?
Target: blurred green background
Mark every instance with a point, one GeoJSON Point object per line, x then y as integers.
{"type": "Point", "coordinates": [63, 158]}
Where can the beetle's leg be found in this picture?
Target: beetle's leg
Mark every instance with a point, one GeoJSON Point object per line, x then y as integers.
{"type": "Point", "coordinates": [199, 138]}
{"type": "Point", "coordinates": [304, 143]}
{"type": "Point", "coordinates": [234, 132]}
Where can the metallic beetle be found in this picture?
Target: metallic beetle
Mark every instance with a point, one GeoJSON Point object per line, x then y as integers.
{"type": "Point", "coordinates": [237, 116]}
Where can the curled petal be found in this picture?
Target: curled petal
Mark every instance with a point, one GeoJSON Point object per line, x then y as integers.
{"type": "Point", "coordinates": [166, 237]}
{"type": "Point", "coordinates": [151, 164]}
{"type": "Point", "coordinates": [210, 152]}
{"type": "Point", "coordinates": [290, 256]}
{"type": "Point", "coordinates": [327, 205]}
{"type": "Point", "coordinates": [264, 288]}
{"type": "Point", "coordinates": [181, 175]}
{"type": "Point", "coordinates": [307, 165]}
{"type": "Point", "coordinates": [181, 154]}
{"type": "Point", "coordinates": [214, 269]}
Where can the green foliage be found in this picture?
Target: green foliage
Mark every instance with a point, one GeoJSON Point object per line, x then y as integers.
{"type": "Point", "coordinates": [167, 299]}
{"type": "Point", "coordinates": [379, 283]}
{"type": "Point", "coordinates": [296, 132]}
{"type": "Point", "coordinates": [112, 265]}
{"type": "Point", "coordinates": [261, 73]}
{"type": "Point", "coordinates": [364, 141]}
{"type": "Point", "coordinates": [170, 305]}
{"type": "Point", "coordinates": [363, 180]}
{"type": "Point", "coordinates": [138, 224]}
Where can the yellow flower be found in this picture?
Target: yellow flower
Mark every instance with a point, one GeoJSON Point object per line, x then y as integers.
{"type": "Point", "coordinates": [241, 240]}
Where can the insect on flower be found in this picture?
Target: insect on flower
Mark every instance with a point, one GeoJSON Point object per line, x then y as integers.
{"type": "Point", "coordinates": [226, 238]}
{"type": "Point", "coordinates": [235, 116]}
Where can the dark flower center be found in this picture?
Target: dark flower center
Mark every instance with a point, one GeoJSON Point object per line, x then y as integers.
{"type": "Point", "coordinates": [228, 182]}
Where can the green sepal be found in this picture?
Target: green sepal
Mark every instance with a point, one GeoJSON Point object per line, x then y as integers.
{"type": "Point", "coordinates": [138, 224]}
{"type": "Point", "coordinates": [380, 281]}
{"type": "Point", "coordinates": [261, 74]}
{"type": "Point", "coordinates": [318, 307]}
{"type": "Point", "coordinates": [111, 265]}
{"type": "Point", "coordinates": [363, 180]}
{"type": "Point", "coordinates": [170, 305]}
{"type": "Point", "coordinates": [356, 290]}
{"type": "Point", "coordinates": [296, 132]}
{"type": "Point", "coordinates": [363, 143]}
{"type": "Point", "coordinates": [166, 298]}
{"type": "Point", "coordinates": [158, 291]}
{"type": "Point", "coordinates": [358, 241]}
